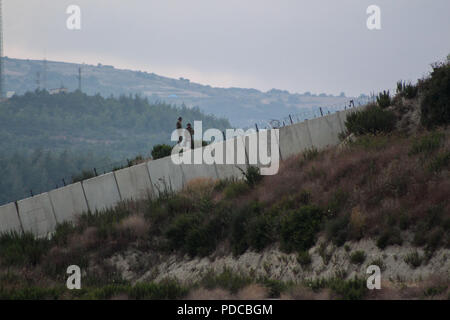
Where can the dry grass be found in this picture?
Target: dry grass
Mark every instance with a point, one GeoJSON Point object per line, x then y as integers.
{"type": "Point", "coordinates": [304, 293]}
{"type": "Point", "coordinates": [253, 292]}
{"type": "Point", "coordinates": [381, 179]}
{"type": "Point", "coordinates": [199, 188]}
{"type": "Point", "coordinates": [205, 294]}
{"type": "Point", "coordinates": [136, 225]}
{"type": "Point", "coordinates": [86, 240]}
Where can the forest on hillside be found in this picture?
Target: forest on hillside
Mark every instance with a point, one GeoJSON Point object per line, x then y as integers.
{"type": "Point", "coordinates": [116, 127]}
{"type": "Point", "coordinates": [45, 138]}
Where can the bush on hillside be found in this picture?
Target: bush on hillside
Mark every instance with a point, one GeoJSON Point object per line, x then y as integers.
{"type": "Point", "coordinates": [435, 105]}
{"type": "Point", "coordinates": [252, 175]}
{"type": "Point", "coordinates": [161, 151]}
{"type": "Point", "coordinates": [384, 99]}
{"type": "Point", "coordinates": [299, 228]}
{"type": "Point", "coordinates": [372, 120]}
{"type": "Point", "coordinates": [406, 90]}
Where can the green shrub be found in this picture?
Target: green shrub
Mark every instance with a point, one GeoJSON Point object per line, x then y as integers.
{"type": "Point", "coordinates": [384, 99]}
{"type": "Point", "coordinates": [304, 258]}
{"type": "Point", "coordinates": [227, 280]}
{"type": "Point", "coordinates": [435, 104]}
{"type": "Point", "coordinates": [354, 289]}
{"type": "Point", "coordinates": [165, 290]}
{"type": "Point", "coordinates": [337, 202]}
{"type": "Point", "coordinates": [304, 197]}
{"type": "Point", "coordinates": [372, 120]}
{"type": "Point", "coordinates": [428, 144]}
{"type": "Point", "coordinates": [310, 154]}
{"type": "Point", "coordinates": [161, 151]}
{"type": "Point", "coordinates": [31, 293]}
{"type": "Point", "coordinates": [358, 257]}
{"type": "Point", "coordinates": [439, 162]}
{"type": "Point", "coordinates": [203, 238]}
{"type": "Point", "coordinates": [435, 291]}
{"type": "Point", "coordinates": [252, 175]}
{"type": "Point", "coordinates": [105, 221]}
{"type": "Point", "coordinates": [389, 237]}
{"type": "Point", "coordinates": [371, 142]}
{"type": "Point", "coordinates": [62, 233]}
{"type": "Point", "coordinates": [378, 262]}
{"type": "Point", "coordinates": [22, 249]}
{"type": "Point", "coordinates": [430, 230]}
{"type": "Point", "coordinates": [337, 229]}
{"type": "Point", "coordinates": [406, 90]}
{"type": "Point", "coordinates": [179, 229]}
{"type": "Point", "coordinates": [299, 228]}
{"type": "Point", "coordinates": [235, 189]}
{"type": "Point", "coordinates": [241, 222]}
{"type": "Point", "coordinates": [276, 287]}
{"type": "Point", "coordinates": [261, 231]}
{"type": "Point", "coordinates": [413, 259]}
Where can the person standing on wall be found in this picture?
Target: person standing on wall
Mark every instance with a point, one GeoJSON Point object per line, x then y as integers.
{"type": "Point", "coordinates": [191, 133]}
{"type": "Point", "coordinates": [179, 127]}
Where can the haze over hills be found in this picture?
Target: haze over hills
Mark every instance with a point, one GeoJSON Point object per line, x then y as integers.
{"type": "Point", "coordinates": [243, 107]}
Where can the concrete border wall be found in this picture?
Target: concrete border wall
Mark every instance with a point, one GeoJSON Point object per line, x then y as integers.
{"type": "Point", "coordinates": [165, 175]}
{"type": "Point", "coordinates": [101, 192]}
{"type": "Point", "coordinates": [294, 139]}
{"type": "Point", "coordinates": [9, 218]}
{"type": "Point", "coordinates": [134, 182]}
{"type": "Point", "coordinates": [198, 170]}
{"type": "Point", "coordinates": [231, 162]}
{"type": "Point", "coordinates": [68, 202]}
{"type": "Point", "coordinates": [37, 216]}
{"type": "Point", "coordinates": [325, 130]}
{"type": "Point", "coordinates": [41, 213]}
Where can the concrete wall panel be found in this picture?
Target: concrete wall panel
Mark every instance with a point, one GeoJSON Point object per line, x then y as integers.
{"type": "Point", "coordinates": [325, 130]}
{"type": "Point", "coordinates": [134, 182]}
{"type": "Point", "coordinates": [68, 202]}
{"type": "Point", "coordinates": [101, 192]}
{"type": "Point", "coordinates": [294, 139]}
{"type": "Point", "coordinates": [9, 218]}
{"type": "Point", "coordinates": [227, 168]}
{"type": "Point", "coordinates": [196, 169]}
{"type": "Point", "coordinates": [164, 174]}
{"type": "Point", "coordinates": [36, 214]}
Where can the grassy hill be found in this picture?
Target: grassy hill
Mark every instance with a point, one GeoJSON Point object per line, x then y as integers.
{"type": "Point", "coordinates": [243, 107]}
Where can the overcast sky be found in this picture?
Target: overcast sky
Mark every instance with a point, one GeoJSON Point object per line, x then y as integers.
{"type": "Point", "coordinates": [296, 45]}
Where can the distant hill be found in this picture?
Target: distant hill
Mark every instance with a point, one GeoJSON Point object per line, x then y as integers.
{"type": "Point", "coordinates": [243, 107]}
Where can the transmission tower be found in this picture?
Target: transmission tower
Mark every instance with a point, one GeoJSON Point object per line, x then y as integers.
{"type": "Point", "coordinates": [2, 71]}
{"type": "Point", "coordinates": [79, 79]}
{"type": "Point", "coordinates": [45, 74]}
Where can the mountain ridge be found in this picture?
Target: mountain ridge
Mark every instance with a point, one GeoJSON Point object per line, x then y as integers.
{"type": "Point", "coordinates": [242, 106]}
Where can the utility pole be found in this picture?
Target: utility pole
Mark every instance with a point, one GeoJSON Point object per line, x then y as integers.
{"type": "Point", "coordinates": [79, 78]}
{"type": "Point", "coordinates": [38, 80]}
{"type": "Point", "coordinates": [2, 71]}
{"type": "Point", "coordinates": [45, 74]}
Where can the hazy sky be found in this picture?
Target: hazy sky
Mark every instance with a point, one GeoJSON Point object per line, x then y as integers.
{"type": "Point", "coordinates": [296, 45]}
